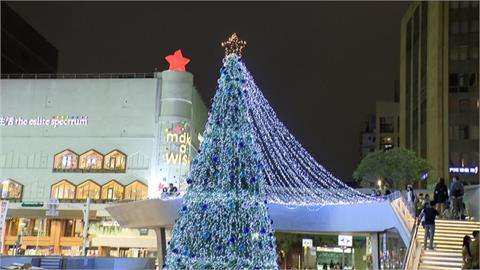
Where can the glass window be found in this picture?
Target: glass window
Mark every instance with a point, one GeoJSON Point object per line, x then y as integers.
{"type": "Point", "coordinates": [474, 25]}
{"type": "Point", "coordinates": [464, 105]}
{"type": "Point", "coordinates": [463, 52]}
{"type": "Point", "coordinates": [464, 4]}
{"type": "Point", "coordinates": [88, 189]}
{"type": "Point", "coordinates": [473, 79]}
{"type": "Point", "coordinates": [473, 132]}
{"type": "Point", "coordinates": [65, 160]}
{"type": "Point", "coordinates": [115, 160]}
{"type": "Point", "coordinates": [78, 231]}
{"type": "Point", "coordinates": [10, 190]}
{"type": "Point", "coordinates": [473, 52]}
{"type": "Point", "coordinates": [136, 191]}
{"type": "Point", "coordinates": [62, 190]}
{"type": "Point", "coordinates": [463, 132]}
{"type": "Point", "coordinates": [68, 228]}
{"type": "Point", "coordinates": [91, 160]}
{"type": "Point", "coordinates": [112, 191]}
{"type": "Point", "coordinates": [454, 27]}
{"type": "Point", "coordinates": [386, 124]}
{"type": "Point", "coordinates": [464, 27]}
{"type": "Point", "coordinates": [41, 227]}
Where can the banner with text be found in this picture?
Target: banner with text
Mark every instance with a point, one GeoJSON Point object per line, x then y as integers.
{"type": "Point", "coordinates": [3, 215]}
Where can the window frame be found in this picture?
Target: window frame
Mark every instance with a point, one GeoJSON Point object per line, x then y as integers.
{"type": "Point", "coordinates": [82, 183]}
{"type": "Point", "coordinates": [8, 192]}
{"type": "Point", "coordinates": [64, 199]}
{"type": "Point", "coordinates": [104, 186]}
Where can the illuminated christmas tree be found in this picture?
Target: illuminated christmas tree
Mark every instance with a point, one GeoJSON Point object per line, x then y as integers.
{"type": "Point", "coordinates": [223, 222]}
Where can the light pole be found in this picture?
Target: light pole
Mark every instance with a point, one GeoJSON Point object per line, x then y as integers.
{"type": "Point", "coordinates": [86, 214]}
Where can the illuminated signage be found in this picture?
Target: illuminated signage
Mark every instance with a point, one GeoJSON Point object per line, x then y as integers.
{"type": "Point", "coordinates": [54, 121]}
{"type": "Point", "coordinates": [179, 141]}
{"type": "Point", "coordinates": [345, 240]}
{"type": "Point", "coordinates": [463, 170]}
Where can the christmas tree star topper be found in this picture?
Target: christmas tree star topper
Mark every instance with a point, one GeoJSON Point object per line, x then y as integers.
{"type": "Point", "coordinates": [177, 61]}
{"type": "Point", "coordinates": [234, 45]}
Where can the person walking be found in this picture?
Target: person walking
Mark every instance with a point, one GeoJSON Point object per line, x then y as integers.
{"type": "Point", "coordinates": [440, 195]}
{"type": "Point", "coordinates": [466, 254]}
{"type": "Point", "coordinates": [456, 197]}
{"type": "Point", "coordinates": [474, 249]}
{"type": "Point", "coordinates": [428, 214]}
{"type": "Point", "coordinates": [411, 197]}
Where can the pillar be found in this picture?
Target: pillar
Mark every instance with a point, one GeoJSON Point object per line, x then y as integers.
{"type": "Point", "coordinates": [374, 244]}
{"type": "Point", "coordinates": [161, 246]}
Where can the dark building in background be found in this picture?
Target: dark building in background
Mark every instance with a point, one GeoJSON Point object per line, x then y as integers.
{"type": "Point", "coordinates": [24, 50]}
{"type": "Point", "coordinates": [439, 89]}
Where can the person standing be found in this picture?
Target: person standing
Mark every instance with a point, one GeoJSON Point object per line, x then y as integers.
{"type": "Point", "coordinates": [466, 254]}
{"type": "Point", "coordinates": [474, 249]}
{"type": "Point", "coordinates": [456, 196]}
{"type": "Point", "coordinates": [411, 197]}
{"type": "Point", "coordinates": [428, 214]}
{"type": "Point", "coordinates": [440, 196]}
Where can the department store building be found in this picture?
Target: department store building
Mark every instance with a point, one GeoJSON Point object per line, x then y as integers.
{"type": "Point", "coordinates": [109, 137]}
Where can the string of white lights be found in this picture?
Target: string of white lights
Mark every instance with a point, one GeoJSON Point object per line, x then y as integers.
{"type": "Point", "coordinates": [294, 177]}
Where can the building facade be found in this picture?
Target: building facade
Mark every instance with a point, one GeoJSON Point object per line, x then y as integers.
{"type": "Point", "coordinates": [367, 137]}
{"type": "Point", "coordinates": [439, 105]}
{"type": "Point", "coordinates": [387, 120]}
{"type": "Point", "coordinates": [24, 50]}
{"type": "Point", "coordinates": [114, 138]}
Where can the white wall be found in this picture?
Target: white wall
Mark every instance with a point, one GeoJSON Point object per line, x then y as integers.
{"type": "Point", "coordinates": [121, 115]}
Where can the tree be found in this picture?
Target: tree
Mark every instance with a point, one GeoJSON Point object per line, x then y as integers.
{"type": "Point", "coordinates": [397, 167]}
{"type": "Point", "coordinates": [223, 222]}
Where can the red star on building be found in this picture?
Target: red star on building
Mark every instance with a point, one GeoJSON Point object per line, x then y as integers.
{"type": "Point", "coordinates": [177, 61]}
{"type": "Point", "coordinates": [177, 129]}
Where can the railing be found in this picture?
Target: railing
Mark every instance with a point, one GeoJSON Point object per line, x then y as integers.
{"type": "Point", "coordinates": [413, 252]}
{"type": "Point", "coordinates": [403, 208]}
{"type": "Point", "coordinates": [80, 76]}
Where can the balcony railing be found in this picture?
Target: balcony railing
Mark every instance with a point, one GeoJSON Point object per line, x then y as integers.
{"type": "Point", "coordinates": [79, 76]}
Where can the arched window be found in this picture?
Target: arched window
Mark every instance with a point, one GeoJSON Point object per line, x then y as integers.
{"type": "Point", "coordinates": [11, 190]}
{"type": "Point", "coordinates": [65, 160]}
{"type": "Point", "coordinates": [115, 161]}
{"type": "Point", "coordinates": [136, 191]}
{"type": "Point", "coordinates": [88, 189]}
{"type": "Point", "coordinates": [112, 190]}
{"type": "Point", "coordinates": [91, 160]}
{"type": "Point", "coordinates": [62, 190]}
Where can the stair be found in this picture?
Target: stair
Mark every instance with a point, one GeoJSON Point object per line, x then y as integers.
{"type": "Point", "coordinates": [447, 243]}
{"type": "Point", "coordinates": [51, 262]}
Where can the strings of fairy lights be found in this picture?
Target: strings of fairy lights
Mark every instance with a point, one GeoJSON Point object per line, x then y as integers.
{"type": "Point", "coordinates": [293, 175]}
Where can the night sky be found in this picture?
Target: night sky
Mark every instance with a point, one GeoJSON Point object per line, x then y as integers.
{"type": "Point", "coordinates": [322, 65]}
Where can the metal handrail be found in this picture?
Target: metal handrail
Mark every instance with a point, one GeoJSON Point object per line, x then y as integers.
{"type": "Point", "coordinates": [35, 76]}
{"type": "Point", "coordinates": [412, 248]}
{"type": "Point", "coordinates": [398, 194]}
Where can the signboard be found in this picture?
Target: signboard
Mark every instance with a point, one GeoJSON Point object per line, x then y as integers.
{"type": "Point", "coordinates": [345, 240]}
{"type": "Point", "coordinates": [463, 170]}
{"type": "Point", "coordinates": [54, 121]}
{"type": "Point", "coordinates": [51, 213]}
{"type": "Point", "coordinates": [179, 141]}
{"type": "Point", "coordinates": [32, 204]}
{"type": "Point", "coordinates": [307, 242]}
{"type": "Point", "coordinates": [3, 215]}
